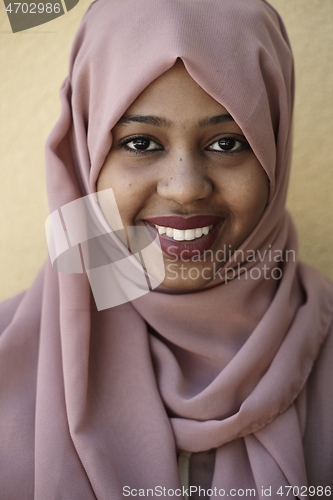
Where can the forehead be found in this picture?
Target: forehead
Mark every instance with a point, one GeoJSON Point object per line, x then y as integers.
{"type": "Point", "coordinates": [177, 97]}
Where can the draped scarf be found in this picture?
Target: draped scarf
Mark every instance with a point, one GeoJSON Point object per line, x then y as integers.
{"type": "Point", "coordinates": [96, 400]}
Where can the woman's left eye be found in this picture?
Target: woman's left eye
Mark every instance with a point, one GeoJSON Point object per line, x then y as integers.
{"type": "Point", "coordinates": [141, 144]}
{"type": "Point", "coordinates": [228, 145]}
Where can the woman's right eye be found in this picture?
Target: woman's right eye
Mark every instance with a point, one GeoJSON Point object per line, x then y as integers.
{"type": "Point", "coordinates": [141, 144]}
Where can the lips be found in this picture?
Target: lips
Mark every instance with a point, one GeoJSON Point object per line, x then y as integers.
{"type": "Point", "coordinates": [186, 249]}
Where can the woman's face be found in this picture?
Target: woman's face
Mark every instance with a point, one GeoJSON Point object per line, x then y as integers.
{"type": "Point", "coordinates": [180, 165]}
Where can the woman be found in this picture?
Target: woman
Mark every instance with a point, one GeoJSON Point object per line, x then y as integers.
{"type": "Point", "coordinates": [181, 111]}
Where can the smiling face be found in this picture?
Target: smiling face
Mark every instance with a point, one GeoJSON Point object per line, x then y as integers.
{"type": "Point", "coordinates": [180, 165]}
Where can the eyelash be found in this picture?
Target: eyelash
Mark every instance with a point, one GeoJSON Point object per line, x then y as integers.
{"type": "Point", "coordinates": [124, 144]}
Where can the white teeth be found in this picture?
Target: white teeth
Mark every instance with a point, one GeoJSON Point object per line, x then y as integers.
{"type": "Point", "coordinates": [181, 234]}
{"type": "Point", "coordinates": [178, 234]}
{"type": "Point", "coordinates": [190, 234]}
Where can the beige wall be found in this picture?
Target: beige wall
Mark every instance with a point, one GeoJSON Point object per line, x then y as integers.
{"type": "Point", "coordinates": [33, 65]}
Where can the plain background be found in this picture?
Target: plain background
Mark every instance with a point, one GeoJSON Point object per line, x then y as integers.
{"type": "Point", "coordinates": [33, 65]}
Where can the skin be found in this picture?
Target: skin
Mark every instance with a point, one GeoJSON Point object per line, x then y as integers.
{"type": "Point", "coordinates": [183, 170]}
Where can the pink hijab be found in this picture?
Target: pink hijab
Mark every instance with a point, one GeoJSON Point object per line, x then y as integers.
{"type": "Point", "coordinates": [92, 401]}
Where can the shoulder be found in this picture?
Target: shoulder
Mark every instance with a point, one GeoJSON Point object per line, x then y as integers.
{"type": "Point", "coordinates": [315, 403]}
{"type": "Point", "coordinates": [318, 436]}
{"type": "Point", "coordinates": [320, 382]}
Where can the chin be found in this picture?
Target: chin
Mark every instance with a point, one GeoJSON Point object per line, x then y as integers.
{"type": "Point", "coordinates": [184, 286]}
{"type": "Point", "coordinates": [186, 277]}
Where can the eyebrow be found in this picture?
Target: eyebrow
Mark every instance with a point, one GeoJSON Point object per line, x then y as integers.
{"type": "Point", "coordinates": [159, 121]}
{"type": "Point", "coordinates": [215, 120]}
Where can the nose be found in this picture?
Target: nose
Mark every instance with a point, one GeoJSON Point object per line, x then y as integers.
{"type": "Point", "coordinates": [184, 180]}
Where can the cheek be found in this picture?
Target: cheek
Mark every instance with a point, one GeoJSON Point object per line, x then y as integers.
{"type": "Point", "coordinates": [129, 188]}
{"type": "Point", "coordinates": [247, 192]}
